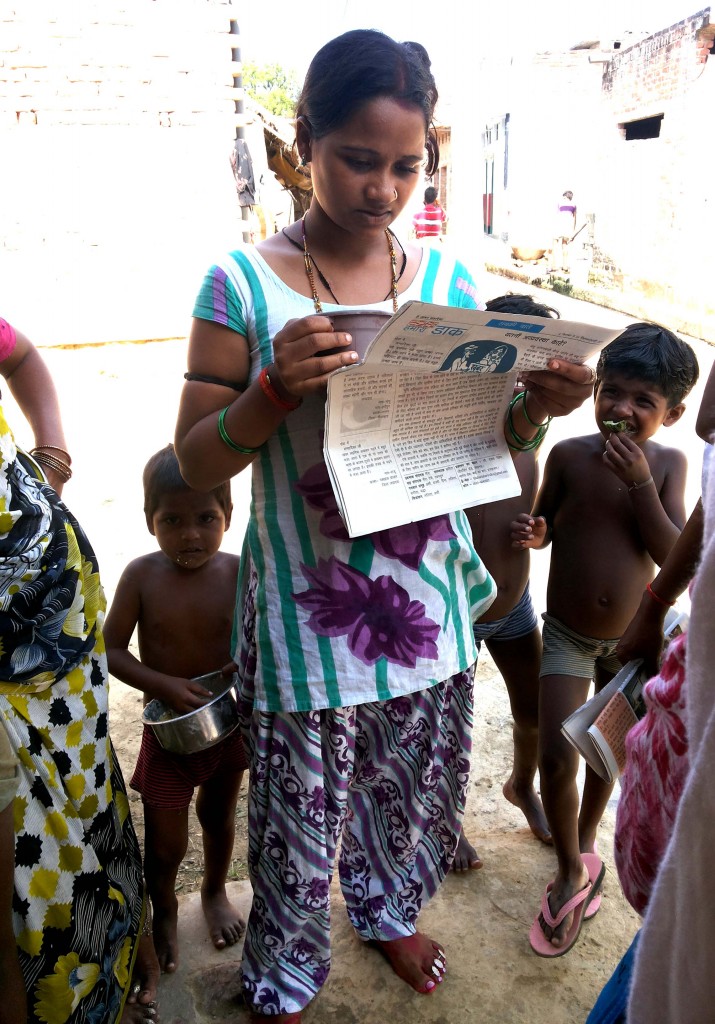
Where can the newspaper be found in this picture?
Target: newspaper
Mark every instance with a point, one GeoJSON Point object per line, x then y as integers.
{"type": "Point", "coordinates": [417, 428]}
{"type": "Point", "coordinates": [599, 727]}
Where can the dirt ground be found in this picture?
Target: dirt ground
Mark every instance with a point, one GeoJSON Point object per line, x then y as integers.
{"type": "Point", "coordinates": [120, 404]}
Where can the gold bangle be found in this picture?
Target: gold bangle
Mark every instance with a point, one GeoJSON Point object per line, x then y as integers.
{"type": "Point", "coordinates": [55, 448]}
{"type": "Point", "coordinates": [50, 462]}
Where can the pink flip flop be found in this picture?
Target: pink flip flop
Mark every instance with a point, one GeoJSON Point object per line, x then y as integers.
{"type": "Point", "coordinates": [578, 904]}
{"type": "Point", "coordinates": [596, 870]}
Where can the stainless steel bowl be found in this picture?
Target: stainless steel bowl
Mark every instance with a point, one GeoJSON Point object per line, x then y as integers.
{"type": "Point", "coordinates": [199, 729]}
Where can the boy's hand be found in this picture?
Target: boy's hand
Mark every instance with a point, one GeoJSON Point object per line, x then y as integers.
{"type": "Point", "coordinates": [528, 531]}
{"type": "Point", "coordinates": [624, 458]}
{"type": "Point", "coordinates": [182, 695]}
{"type": "Point", "coordinates": [643, 637]}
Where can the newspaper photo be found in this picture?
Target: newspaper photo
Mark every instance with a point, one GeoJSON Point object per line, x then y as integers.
{"type": "Point", "coordinates": [417, 428]}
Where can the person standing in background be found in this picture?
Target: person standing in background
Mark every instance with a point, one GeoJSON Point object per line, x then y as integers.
{"type": "Point", "coordinates": [565, 231]}
{"type": "Point", "coordinates": [430, 221]}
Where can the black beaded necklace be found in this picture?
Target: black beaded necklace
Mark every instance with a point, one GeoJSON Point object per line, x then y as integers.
{"type": "Point", "coordinates": [310, 260]}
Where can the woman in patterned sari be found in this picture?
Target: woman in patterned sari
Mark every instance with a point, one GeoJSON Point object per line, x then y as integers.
{"type": "Point", "coordinates": [78, 909]}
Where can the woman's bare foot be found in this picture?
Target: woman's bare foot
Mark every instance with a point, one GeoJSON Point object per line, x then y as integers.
{"type": "Point", "coordinates": [226, 926]}
{"type": "Point", "coordinates": [529, 804]}
{"type": "Point", "coordinates": [140, 1007]}
{"type": "Point", "coordinates": [416, 959]}
{"type": "Point", "coordinates": [166, 942]}
{"type": "Point", "coordinates": [561, 892]}
{"type": "Point", "coordinates": [140, 1013]}
{"type": "Point", "coordinates": [466, 858]}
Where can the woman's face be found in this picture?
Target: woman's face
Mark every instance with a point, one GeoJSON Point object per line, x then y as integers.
{"type": "Point", "coordinates": [358, 168]}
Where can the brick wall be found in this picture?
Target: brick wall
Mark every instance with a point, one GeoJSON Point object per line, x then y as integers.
{"type": "Point", "coordinates": [653, 198]}
{"type": "Point", "coordinates": [138, 62]}
{"type": "Point", "coordinates": [648, 203]}
{"type": "Point", "coordinates": [657, 69]}
{"type": "Point", "coordinates": [116, 124]}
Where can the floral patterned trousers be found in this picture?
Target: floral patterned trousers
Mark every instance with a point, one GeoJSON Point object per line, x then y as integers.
{"type": "Point", "coordinates": [388, 780]}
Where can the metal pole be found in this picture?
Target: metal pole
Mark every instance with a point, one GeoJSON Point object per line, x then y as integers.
{"type": "Point", "coordinates": [238, 103]}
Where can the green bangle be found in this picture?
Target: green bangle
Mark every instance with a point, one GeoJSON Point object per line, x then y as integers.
{"type": "Point", "coordinates": [522, 444]}
{"type": "Point", "coordinates": [526, 414]}
{"type": "Point", "coordinates": [228, 441]}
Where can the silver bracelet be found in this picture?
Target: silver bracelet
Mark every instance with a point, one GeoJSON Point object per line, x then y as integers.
{"type": "Point", "coordinates": [644, 483]}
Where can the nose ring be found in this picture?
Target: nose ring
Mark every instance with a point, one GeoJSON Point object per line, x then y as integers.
{"type": "Point", "coordinates": [394, 194]}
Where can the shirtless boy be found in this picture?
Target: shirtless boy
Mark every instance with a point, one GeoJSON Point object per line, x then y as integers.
{"type": "Point", "coordinates": [180, 599]}
{"type": "Point", "coordinates": [612, 505]}
{"type": "Point", "coordinates": [510, 628]}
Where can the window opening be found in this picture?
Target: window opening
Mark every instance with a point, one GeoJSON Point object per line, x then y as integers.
{"type": "Point", "coordinates": [644, 128]}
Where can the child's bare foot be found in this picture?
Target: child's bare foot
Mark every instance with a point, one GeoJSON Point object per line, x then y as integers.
{"type": "Point", "coordinates": [226, 926]}
{"type": "Point", "coordinates": [466, 858]}
{"type": "Point", "coordinates": [416, 959]}
{"type": "Point", "coordinates": [529, 804]}
{"type": "Point", "coordinates": [164, 930]}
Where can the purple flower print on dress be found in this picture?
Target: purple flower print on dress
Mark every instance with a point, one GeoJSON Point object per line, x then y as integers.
{"type": "Point", "coordinates": [408, 543]}
{"type": "Point", "coordinates": [315, 487]}
{"type": "Point", "coordinates": [377, 616]}
{"type": "Point", "coordinates": [315, 802]}
{"type": "Point", "coordinates": [315, 893]}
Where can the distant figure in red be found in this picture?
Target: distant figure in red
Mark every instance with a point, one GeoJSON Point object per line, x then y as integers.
{"type": "Point", "coordinates": [430, 220]}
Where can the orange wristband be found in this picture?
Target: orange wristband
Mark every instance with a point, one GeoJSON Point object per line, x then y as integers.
{"type": "Point", "coordinates": [657, 598]}
{"type": "Point", "coordinates": [272, 395]}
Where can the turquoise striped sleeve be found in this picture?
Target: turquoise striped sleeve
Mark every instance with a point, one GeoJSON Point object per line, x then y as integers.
{"type": "Point", "coordinates": [463, 289]}
{"type": "Point", "coordinates": [218, 302]}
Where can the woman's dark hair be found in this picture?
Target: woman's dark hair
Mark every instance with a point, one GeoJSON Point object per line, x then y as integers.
{"type": "Point", "coordinates": [521, 305]}
{"type": "Point", "coordinates": [363, 65]}
{"type": "Point", "coordinates": [652, 353]}
{"type": "Point", "coordinates": [163, 476]}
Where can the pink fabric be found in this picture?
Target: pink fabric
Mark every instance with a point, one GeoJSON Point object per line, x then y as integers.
{"type": "Point", "coordinates": [7, 339]}
{"type": "Point", "coordinates": [673, 976]}
{"type": "Point", "coordinates": [651, 786]}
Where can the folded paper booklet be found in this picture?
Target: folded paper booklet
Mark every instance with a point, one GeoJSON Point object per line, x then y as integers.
{"type": "Point", "coordinates": [598, 729]}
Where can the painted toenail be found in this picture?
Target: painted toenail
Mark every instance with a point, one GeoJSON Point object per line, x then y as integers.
{"type": "Point", "coordinates": [429, 986]}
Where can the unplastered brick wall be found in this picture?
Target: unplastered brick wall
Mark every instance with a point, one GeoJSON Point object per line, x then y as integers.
{"type": "Point", "coordinates": [658, 68]}
{"type": "Point", "coordinates": [117, 120]}
{"type": "Point", "coordinates": [651, 194]}
{"type": "Point", "coordinates": [136, 62]}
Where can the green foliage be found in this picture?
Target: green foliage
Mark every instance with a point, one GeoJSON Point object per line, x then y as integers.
{"type": "Point", "coordinates": [272, 86]}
